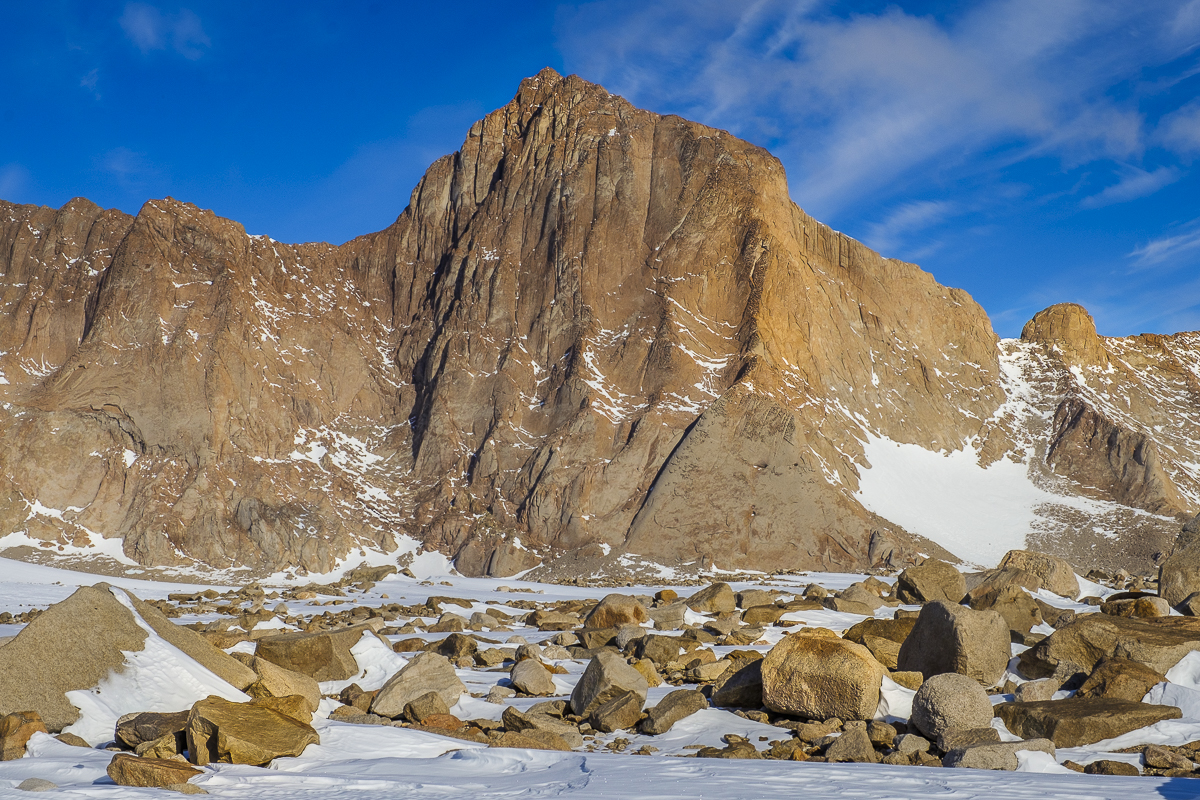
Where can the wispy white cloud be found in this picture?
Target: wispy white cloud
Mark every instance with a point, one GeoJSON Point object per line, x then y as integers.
{"type": "Point", "coordinates": [149, 29]}
{"type": "Point", "coordinates": [904, 221]}
{"type": "Point", "coordinates": [1180, 130]}
{"type": "Point", "coordinates": [1133, 183]}
{"type": "Point", "coordinates": [1169, 248]}
{"type": "Point", "coordinates": [864, 106]}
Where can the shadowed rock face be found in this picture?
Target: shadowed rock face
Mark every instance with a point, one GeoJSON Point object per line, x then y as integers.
{"type": "Point", "coordinates": [594, 331]}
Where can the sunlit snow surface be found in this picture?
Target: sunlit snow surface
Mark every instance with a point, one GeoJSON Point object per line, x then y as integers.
{"type": "Point", "coordinates": [360, 761]}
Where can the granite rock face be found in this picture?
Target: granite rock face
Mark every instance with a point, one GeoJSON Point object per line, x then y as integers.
{"type": "Point", "coordinates": [594, 332]}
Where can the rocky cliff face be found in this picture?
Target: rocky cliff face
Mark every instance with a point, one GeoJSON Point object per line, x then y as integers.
{"type": "Point", "coordinates": [597, 338]}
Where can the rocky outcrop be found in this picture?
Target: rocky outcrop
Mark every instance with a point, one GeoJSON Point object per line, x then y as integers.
{"type": "Point", "coordinates": [594, 333]}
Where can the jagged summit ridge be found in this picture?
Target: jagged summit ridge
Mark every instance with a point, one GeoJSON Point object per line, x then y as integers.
{"type": "Point", "coordinates": [596, 336]}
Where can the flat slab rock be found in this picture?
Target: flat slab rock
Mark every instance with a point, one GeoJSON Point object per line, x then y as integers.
{"type": "Point", "coordinates": [1079, 721]}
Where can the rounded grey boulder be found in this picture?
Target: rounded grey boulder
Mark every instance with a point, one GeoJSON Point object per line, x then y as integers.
{"type": "Point", "coordinates": [949, 701]}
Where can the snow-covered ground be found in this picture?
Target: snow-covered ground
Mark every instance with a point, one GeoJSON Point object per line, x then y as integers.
{"type": "Point", "coordinates": [360, 761]}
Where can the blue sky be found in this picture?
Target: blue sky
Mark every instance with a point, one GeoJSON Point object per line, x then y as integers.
{"type": "Point", "coordinates": [1027, 151]}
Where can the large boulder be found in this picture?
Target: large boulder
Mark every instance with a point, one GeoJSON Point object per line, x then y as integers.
{"type": "Point", "coordinates": [820, 677]}
{"type": "Point", "coordinates": [136, 729]}
{"type": "Point", "coordinates": [741, 685]}
{"type": "Point", "coordinates": [1014, 604]}
{"type": "Point", "coordinates": [714, 599]}
{"type": "Point", "coordinates": [1078, 721]}
{"type": "Point", "coordinates": [75, 644]}
{"type": "Point", "coordinates": [948, 702]}
{"type": "Point", "coordinates": [896, 630]}
{"type": "Point", "coordinates": [929, 581]}
{"type": "Point", "coordinates": [983, 594]}
{"type": "Point", "coordinates": [1056, 574]}
{"type": "Point", "coordinates": [530, 677]}
{"type": "Point", "coordinates": [953, 638]}
{"type": "Point", "coordinates": [616, 610]}
{"type": "Point", "coordinates": [531, 722]}
{"type": "Point", "coordinates": [276, 681]}
{"type": "Point", "coordinates": [1121, 679]}
{"type": "Point", "coordinates": [668, 617]}
{"type": "Point", "coordinates": [323, 655]}
{"type": "Point", "coordinates": [675, 706]}
{"type": "Point", "coordinates": [1000, 755]}
{"type": "Point", "coordinates": [659, 649]}
{"type": "Point", "coordinates": [606, 677]}
{"type": "Point", "coordinates": [620, 713]}
{"type": "Point", "coordinates": [1179, 575]}
{"type": "Point", "coordinates": [153, 773]}
{"type": "Point", "coordinates": [244, 733]}
{"type": "Point", "coordinates": [425, 672]}
{"type": "Point", "coordinates": [1076, 648]}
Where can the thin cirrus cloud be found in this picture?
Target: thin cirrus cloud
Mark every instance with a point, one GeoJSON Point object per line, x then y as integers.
{"type": "Point", "coordinates": [149, 29]}
{"type": "Point", "coordinates": [1168, 248]}
{"type": "Point", "coordinates": [1133, 183]}
{"type": "Point", "coordinates": [905, 221]}
{"type": "Point", "coordinates": [857, 105]}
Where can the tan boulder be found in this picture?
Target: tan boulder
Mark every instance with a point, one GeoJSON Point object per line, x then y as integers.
{"type": "Point", "coordinates": [952, 638]}
{"type": "Point", "coordinates": [1121, 679]}
{"type": "Point", "coordinates": [615, 610]}
{"type": "Point", "coordinates": [138, 728]}
{"type": "Point", "coordinates": [1055, 573]}
{"type": "Point", "coordinates": [531, 677]}
{"type": "Point", "coordinates": [425, 672]}
{"type": "Point", "coordinates": [152, 773]}
{"type": "Point", "coordinates": [820, 678]}
{"type": "Point", "coordinates": [323, 656]}
{"type": "Point", "coordinates": [1076, 648]}
{"type": "Point", "coordinates": [276, 681]}
{"type": "Point", "coordinates": [713, 599]}
{"type": "Point", "coordinates": [1076, 721]}
{"type": "Point", "coordinates": [607, 676]}
{"type": "Point", "coordinates": [15, 731]}
{"type": "Point", "coordinates": [244, 733]}
{"type": "Point", "coordinates": [932, 580]}
{"type": "Point", "coordinates": [85, 637]}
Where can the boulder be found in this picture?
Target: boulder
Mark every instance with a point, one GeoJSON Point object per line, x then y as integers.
{"type": "Point", "coordinates": [615, 610]}
{"type": "Point", "coordinates": [931, 580]}
{"type": "Point", "coordinates": [886, 651]}
{"type": "Point", "coordinates": [1179, 575]}
{"type": "Point", "coordinates": [983, 594]}
{"type": "Point", "coordinates": [953, 638]}
{"type": "Point", "coordinates": [1076, 648]}
{"type": "Point", "coordinates": [15, 731]}
{"type": "Point", "coordinates": [456, 646]}
{"type": "Point", "coordinates": [553, 621]}
{"type": "Point", "coordinates": [995, 756]}
{"type": "Point", "coordinates": [594, 638]}
{"type": "Point", "coordinates": [1107, 767]}
{"type": "Point", "coordinates": [1159, 757]}
{"type": "Point", "coordinates": [139, 728]}
{"type": "Point", "coordinates": [530, 677]}
{"type": "Point", "coordinates": [1120, 679]}
{"type": "Point", "coordinates": [323, 656]}
{"type": "Point", "coordinates": [959, 738]}
{"type": "Point", "coordinates": [762, 615]}
{"type": "Point", "coordinates": [1078, 721]}
{"type": "Point", "coordinates": [754, 598]}
{"type": "Point", "coordinates": [740, 686]}
{"type": "Point", "coordinates": [151, 773]}
{"type": "Point", "coordinates": [737, 749]}
{"type": "Point", "coordinates": [1053, 616]}
{"type": "Point", "coordinates": [620, 713]}
{"type": "Point", "coordinates": [533, 739]}
{"type": "Point", "coordinates": [1041, 689]}
{"type": "Point", "coordinates": [607, 676]}
{"type": "Point", "coordinates": [1056, 574]}
{"type": "Point", "coordinates": [427, 705]}
{"type": "Point", "coordinates": [950, 701]}
{"type": "Point", "coordinates": [659, 649]}
{"type": "Point", "coordinates": [818, 677]}
{"type": "Point", "coordinates": [627, 635]}
{"type": "Point", "coordinates": [426, 672]}
{"type": "Point", "coordinates": [243, 733]}
{"type": "Point", "coordinates": [853, 745]}
{"type": "Point", "coordinates": [276, 681]}
{"type": "Point", "coordinates": [517, 722]}
{"type": "Point", "coordinates": [714, 599]}
{"type": "Point", "coordinates": [1147, 607]}
{"type": "Point", "coordinates": [1014, 604]}
{"type": "Point", "coordinates": [293, 705]}
{"type": "Point", "coordinates": [85, 637]}
{"type": "Point", "coordinates": [675, 706]}
{"type": "Point", "coordinates": [669, 617]}
{"type": "Point", "coordinates": [896, 630]}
